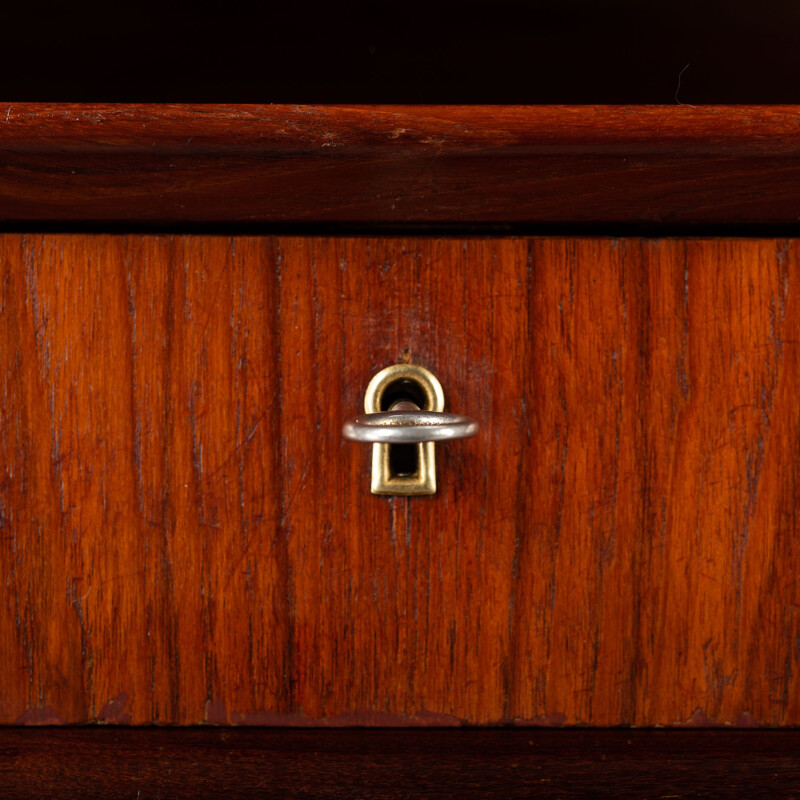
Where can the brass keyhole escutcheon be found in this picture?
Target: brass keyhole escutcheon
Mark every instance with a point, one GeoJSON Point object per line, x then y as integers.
{"type": "Point", "coordinates": [404, 418]}
{"type": "Point", "coordinates": [403, 383]}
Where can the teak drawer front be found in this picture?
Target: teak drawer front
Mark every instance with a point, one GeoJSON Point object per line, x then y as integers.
{"type": "Point", "coordinates": [185, 537]}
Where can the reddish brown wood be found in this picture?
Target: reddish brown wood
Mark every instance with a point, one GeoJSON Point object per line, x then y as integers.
{"type": "Point", "coordinates": [124, 763]}
{"type": "Point", "coordinates": [384, 165]}
{"type": "Point", "coordinates": [185, 537]}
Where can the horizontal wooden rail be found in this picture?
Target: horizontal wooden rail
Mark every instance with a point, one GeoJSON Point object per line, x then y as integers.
{"type": "Point", "coordinates": [399, 165]}
{"type": "Point", "coordinates": [212, 762]}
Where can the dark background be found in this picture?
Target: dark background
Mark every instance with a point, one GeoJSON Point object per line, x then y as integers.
{"type": "Point", "coordinates": [416, 51]}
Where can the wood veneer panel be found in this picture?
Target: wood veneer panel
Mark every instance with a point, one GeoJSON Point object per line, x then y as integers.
{"type": "Point", "coordinates": [122, 763]}
{"type": "Point", "coordinates": [400, 165]}
{"type": "Point", "coordinates": [186, 538]}
{"type": "Point", "coordinates": [143, 559]}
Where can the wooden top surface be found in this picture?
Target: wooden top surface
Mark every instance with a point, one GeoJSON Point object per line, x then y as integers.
{"type": "Point", "coordinates": [657, 166]}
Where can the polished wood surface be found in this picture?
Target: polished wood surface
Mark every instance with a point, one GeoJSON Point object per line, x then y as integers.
{"type": "Point", "coordinates": [399, 165]}
{"type": "Point", "coordinates": [186, 537]}
{"type": "Point", "coordinates": [122, 763]}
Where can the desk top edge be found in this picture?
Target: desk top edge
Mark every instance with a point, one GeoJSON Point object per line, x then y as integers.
{"type": "Point", "coordinates": [399, 165]}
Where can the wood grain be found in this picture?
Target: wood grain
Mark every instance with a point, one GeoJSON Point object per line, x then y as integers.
{"type": "Point", "coordinates": [186, 538]}
{"type": "Point", "coordinates": [658, 166]}
{"type": "Point", "coordinates": [113, 763]}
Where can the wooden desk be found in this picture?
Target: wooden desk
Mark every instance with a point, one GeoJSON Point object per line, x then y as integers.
{"type": "Point", "coordinates": [188, 540]}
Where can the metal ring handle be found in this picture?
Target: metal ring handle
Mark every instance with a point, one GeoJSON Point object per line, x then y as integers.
{"type": "Point", "coordinates": [409, 427]}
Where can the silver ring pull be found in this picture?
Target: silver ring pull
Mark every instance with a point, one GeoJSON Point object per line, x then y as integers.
{"type": "Point", "coordinates": [404, 423]}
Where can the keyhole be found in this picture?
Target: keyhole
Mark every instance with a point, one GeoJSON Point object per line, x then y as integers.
{"type": "Point", "coordinates": [404, 389]}
{"type": "Point", "coordinates": [403, 458]}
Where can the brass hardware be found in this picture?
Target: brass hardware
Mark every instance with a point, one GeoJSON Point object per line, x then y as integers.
{"type": "Point", "coordinates": [423, 481]}
{"type": "Point", "coordinates": [404, 407]}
